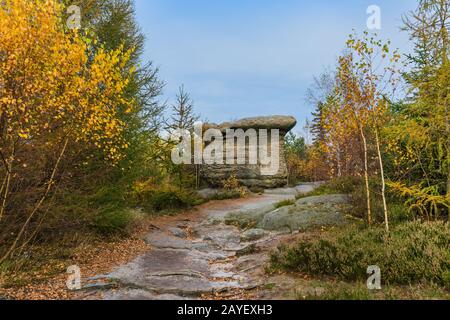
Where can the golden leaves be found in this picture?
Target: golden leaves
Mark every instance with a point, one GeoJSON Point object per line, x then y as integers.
{"type": "Point", "coordinates": [48, 81]}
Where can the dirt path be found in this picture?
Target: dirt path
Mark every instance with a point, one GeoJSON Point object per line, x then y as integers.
{"type": "Point", "coordinates": [197, 255]}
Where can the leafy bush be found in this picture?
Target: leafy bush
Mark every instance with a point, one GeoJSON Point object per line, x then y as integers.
{"type": "Point", "coordinates": [426, 202]}
{"type": "Point", "coordinates": [355, 187]}
{"type": "Point", "coordinates": [344, 185]}
{"type": "Point", "coordinates": [257, 190]}
{"type": "Point", "coordinates": [227, 194]}
{"type": "Point", "coordinates": [157, 198]}
{"type": "Point", "coordinates": [168, 199]}
{"type": "Point", "coordinates": [412, 252]}
{"type": "Point", "coordinates": [112, 220]}
{"type": "Point", "coordinates": [233, 186]}
{"type": "Point", "coordinates": [397, 209]}
{"type": "Point", "coordinates": [398, 212]}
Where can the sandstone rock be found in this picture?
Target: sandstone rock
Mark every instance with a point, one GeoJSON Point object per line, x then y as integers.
{"type": "Point", "coordinates": [139, 294]}
{"type": "Point", "coordinates": [308, 212]}
{"type": "Point", "coordinates": [160, 239]}
{"type": "Point", "coordinates": [298, 218]}
{"type": "Point", "coordinates": [284, 123]}
{"type": "Point", "coordinates": [250, 175]}
{"type": "Point", "coordinates": [223, 235]}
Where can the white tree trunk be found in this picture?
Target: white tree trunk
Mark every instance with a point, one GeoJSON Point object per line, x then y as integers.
{"type": "Point", "coordinates": [383, 182]}
{"type": "Point", "coordinates": [366, 175]}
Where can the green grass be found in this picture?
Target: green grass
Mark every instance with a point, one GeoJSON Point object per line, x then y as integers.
{"type": "Point", "coordinates": [270, 286]}
{"type": "Point", "coordinates": [284, 203]}
{"type": "Point", "coordinates": [359, 291]}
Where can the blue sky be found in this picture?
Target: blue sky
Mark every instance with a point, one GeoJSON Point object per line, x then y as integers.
{"type": "Point", "coordinates": [241, 58]}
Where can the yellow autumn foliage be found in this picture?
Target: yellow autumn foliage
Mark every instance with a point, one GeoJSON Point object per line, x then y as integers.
{"type": "Point", "coordinates": [53, 84]}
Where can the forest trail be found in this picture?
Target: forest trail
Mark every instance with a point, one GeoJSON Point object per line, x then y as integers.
{"type": "Point", "coordinates": [198, 255]}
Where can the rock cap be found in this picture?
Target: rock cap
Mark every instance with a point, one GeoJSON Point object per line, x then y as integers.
{"type": "Point", "coordinates": [284, 123]}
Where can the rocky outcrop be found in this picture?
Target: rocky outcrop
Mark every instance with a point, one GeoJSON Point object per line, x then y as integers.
{"type": "Point", "coordinates": [251, 175]}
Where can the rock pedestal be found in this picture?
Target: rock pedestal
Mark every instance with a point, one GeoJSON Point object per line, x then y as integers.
{"type": "Point", "coordinates": [251, 175]}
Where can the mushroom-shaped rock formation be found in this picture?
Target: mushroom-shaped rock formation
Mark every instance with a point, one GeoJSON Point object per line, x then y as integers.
{"type": "Point", "coordinates": [251, 174]}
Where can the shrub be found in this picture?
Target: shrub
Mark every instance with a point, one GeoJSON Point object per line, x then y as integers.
{"type": "Point", "coordinates": [167, 199]}
{"type": "Point", "coordinates": [233, 186]}
{"type": "Point", "coordinates": [427, 202]}
{"type": "Point", "coordinates": [153, 197]}
{"type": "Point", "coordinates": [112, 220]}
{"type": "Point", "coordinates": [345, 185]}
{"type": "Point", "coordinates": [355, 187]}
{"type": "Point", "coordinates": [412, 252]}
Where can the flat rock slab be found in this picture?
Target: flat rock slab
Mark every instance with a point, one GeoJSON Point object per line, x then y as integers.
{"type": "Point", "coordinates": [253, 234]}
{"type": "Point", "coordinates": [178, 272]}
{"type": "Point", "coordinates": [161, 239]}
{"type": "Point", "coordinates": [221, 236]}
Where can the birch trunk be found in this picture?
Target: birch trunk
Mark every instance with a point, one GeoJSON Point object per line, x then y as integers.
{"type": "Point", "coordinates": [383, 182]}
{"type": "Point", "coordinates": [366, 175]}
